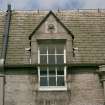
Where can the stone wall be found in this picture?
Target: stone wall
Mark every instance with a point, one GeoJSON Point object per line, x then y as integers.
{"type": "Point", "coordinates": [85, 89]}
{"type": "Point", "coordinates": [1, 89]}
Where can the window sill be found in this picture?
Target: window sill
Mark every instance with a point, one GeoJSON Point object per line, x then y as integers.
{"type": "Point", "coordinates": [51, 88]}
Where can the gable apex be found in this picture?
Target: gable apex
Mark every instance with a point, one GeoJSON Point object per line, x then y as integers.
{"type": "Point", "coordinates": [57, 19]}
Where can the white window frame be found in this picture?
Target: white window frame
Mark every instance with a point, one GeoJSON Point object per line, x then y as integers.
{"type": "Point", "coordinates": [52, 88]}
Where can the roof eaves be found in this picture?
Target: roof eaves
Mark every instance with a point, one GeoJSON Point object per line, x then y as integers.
{"type": "Point", "coordinates": [69, 65]}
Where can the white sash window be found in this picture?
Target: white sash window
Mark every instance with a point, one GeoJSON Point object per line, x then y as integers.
{"type": "Point", "coordinates": [52, 76]}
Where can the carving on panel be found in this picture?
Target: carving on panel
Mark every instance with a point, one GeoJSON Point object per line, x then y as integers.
{"type": "Point", "coordinates": [51, 27]}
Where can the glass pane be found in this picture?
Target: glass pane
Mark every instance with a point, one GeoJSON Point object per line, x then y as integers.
{"type": "Point", "coordinates": [52, 81]}
{"type": "Point", "coordinates": [43, 81]}
{"type": "Point", "coordinates": [43, 68]}
{"type": "Point", "coordinates": [51, 50]}
{"type": "Point", "coordinates": [43, 59]}
{"type": "Point", "coordinates": [43, 71]}
{"type": "Point", "coordinates": [60, 70]}
{"type": "Point", "coordinates": [52, 70]}
{"type": "Point", "coordinates": [43, 50]}
{"type": "Point", "coordinates": [60, 49]}
{"type": "Point", "coordinates": [60, 59]}
{"type": "Point", "coordinates": [60, 81]}
{"type": "Point", "coordinates": [51, 59]}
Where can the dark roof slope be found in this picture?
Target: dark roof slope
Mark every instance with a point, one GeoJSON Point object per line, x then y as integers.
{"type": "Point", "coordinates": [22, 24]}
{"type": "Point", "coordinates": [2, 19]}
{"type": "Point", "coordinates": [88, 28]}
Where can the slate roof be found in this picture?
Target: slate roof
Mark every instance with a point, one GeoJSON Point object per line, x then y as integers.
{"type": "Point", "coordinates": [87, 26]}
{"type": "Point", "coordinates": [2, 16]}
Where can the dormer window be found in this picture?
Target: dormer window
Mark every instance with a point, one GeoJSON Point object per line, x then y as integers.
{"type": "Point", "coordinates": [49, 42]}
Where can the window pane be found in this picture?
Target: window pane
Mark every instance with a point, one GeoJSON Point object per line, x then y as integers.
{"type": "Point", "coordinates": [51, 59]}
{"type": "Point", "coordinates": [60, 81]}
{"type": "Point", "coordinates": [43, 71]}
{"type": "Point", "coordinates": [43, 68]}
{"type": "Point", "coordinates": [52, 72]}
{"type": "Point", "coordinates": [43, 81]}
{"type": "Point", "coordinates": [60, 49]}
{"type": "Point", "coordinates": [51, 68]}
{"type": "Point", "coordinates": [51, 50]}
{"type": "Point", "coordinates": [60, 70]}
{"type": "Point", "coordinates": [43, 59]}
{"type": "Point", "coordinates": [60, 59]}
{"type": "Point", "coordinates": [43, 50]}
{"type": "Point", "coordinates": [52, 81]}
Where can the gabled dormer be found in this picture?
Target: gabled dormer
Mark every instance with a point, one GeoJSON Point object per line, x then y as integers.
{"type": "Point", "coordinates": [51, 29]}
{"type": "Point", "coordinates": [51, 48]}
